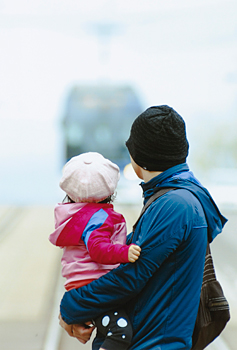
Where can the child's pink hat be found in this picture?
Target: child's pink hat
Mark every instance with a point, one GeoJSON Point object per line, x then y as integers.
{"type": "Point", "coordinates": [89, 177]}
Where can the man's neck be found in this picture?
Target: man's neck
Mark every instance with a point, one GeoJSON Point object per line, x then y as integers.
{"type": "Point", "coordinates": [148, 175]}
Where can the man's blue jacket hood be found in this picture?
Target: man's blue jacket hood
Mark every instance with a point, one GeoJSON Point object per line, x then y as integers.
{"type": "Point", "coordinates": [181, 177]}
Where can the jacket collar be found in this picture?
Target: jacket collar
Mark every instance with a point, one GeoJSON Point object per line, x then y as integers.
{"type": "Point", "coordinates": [149, 187]}
{"type": "Point", "coordinates": [180, 177]}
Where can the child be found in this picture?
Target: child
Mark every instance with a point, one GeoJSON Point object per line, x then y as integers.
{"type": "Point", "coordinates": [93, 235]}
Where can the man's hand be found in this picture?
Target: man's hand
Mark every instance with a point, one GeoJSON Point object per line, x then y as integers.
{"type": "Point", "coordinates": [133, 252]}
{"type": "Point", "coordinates": [64, 325]}
{"type": "Point", "coordinates": [83, 332]}
{"type": "Point", "coordinates": [80, 331]}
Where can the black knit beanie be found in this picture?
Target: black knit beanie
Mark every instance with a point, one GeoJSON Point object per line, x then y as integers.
{"type": "Point", "coordinates": [158, 139]}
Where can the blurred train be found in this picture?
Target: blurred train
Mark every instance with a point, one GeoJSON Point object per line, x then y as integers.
{"type": "Point", "coordinates": [98, 118]}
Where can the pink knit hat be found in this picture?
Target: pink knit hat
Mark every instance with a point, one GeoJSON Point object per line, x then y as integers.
{"type": "Point", "coordinates": [89, 177]}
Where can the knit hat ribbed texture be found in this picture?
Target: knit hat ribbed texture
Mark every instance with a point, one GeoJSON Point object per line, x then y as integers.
{"type": "Point", "coordinates": [158, 139]}
{"type": "Point", "coordinates": [89, 177]}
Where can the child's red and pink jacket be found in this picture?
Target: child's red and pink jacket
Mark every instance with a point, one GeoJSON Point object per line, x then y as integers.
{"type": "Point", "coordinates": [93, 238]}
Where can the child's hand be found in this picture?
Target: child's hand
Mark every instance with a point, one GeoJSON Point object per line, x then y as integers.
{"type": "Point", "coordinates": [133, 252]}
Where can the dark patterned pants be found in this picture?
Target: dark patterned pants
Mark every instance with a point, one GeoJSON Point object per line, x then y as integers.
{"type": "Point", "coordinates": [116, 328]}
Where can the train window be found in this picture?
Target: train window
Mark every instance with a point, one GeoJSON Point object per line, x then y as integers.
{"type": "Point", "coordinates": [74, 134]}
{"type": "Point", "coordinates": [103, 135]}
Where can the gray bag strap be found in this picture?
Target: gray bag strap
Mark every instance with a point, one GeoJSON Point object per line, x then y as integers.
{"type": "Point", "coordinates": [156, 195]}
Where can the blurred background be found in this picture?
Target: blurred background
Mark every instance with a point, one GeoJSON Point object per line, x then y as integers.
{"type": "Point", "coordinates": [181, 53]}
{"type": "Point", "coordinates": [73, 77]}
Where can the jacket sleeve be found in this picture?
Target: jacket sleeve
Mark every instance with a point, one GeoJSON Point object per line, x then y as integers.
{"type": "Point", "coordinates": [68, 236]}
{"type": "Point", "coordinates": [158, 238]}
{"type": "Point", "coordinates": [103, 251]}
{"type": "Point", "coordinates": [90, 301]}
{"type": "Point", "coordinates": [97, 238]}
{"type": "Point", "coordinates": [129, 237]}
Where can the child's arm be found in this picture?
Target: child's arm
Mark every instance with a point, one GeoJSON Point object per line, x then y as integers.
{"type": "Point", "coordinates": [103, 251]}
{"type": "Point", "coordinates": [97, 238]}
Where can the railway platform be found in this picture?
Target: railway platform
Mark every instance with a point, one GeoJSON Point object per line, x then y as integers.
{"type": "Point", "coordinates": [31, 286]}
{"type": "Point", "coordinates": [29, 268]}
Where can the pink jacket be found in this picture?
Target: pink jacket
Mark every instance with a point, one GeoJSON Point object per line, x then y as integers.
{"type": "Point", "coordinates": [93, 238]}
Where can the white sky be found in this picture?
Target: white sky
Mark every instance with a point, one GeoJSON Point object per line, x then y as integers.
{"type": "Point", "coordinates": [103, 6]}
{"type": "Point", "coordinates": [170, 50]}
{"type": "Point", "coordinates": [181, 53]}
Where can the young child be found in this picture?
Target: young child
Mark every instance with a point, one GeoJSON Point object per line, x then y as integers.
{"type": "Point", "coordinates": [93, 235]}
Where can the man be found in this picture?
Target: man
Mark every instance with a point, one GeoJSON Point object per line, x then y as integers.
{"type": "Point", "coordinates": [161, 290]}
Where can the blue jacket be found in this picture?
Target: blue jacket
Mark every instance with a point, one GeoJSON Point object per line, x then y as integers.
{"type": "Point", "coordinates": [161, 290]}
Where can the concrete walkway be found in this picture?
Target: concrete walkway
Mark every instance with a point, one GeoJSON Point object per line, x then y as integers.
{"type": "Point", "coordinates": [29, 266]}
